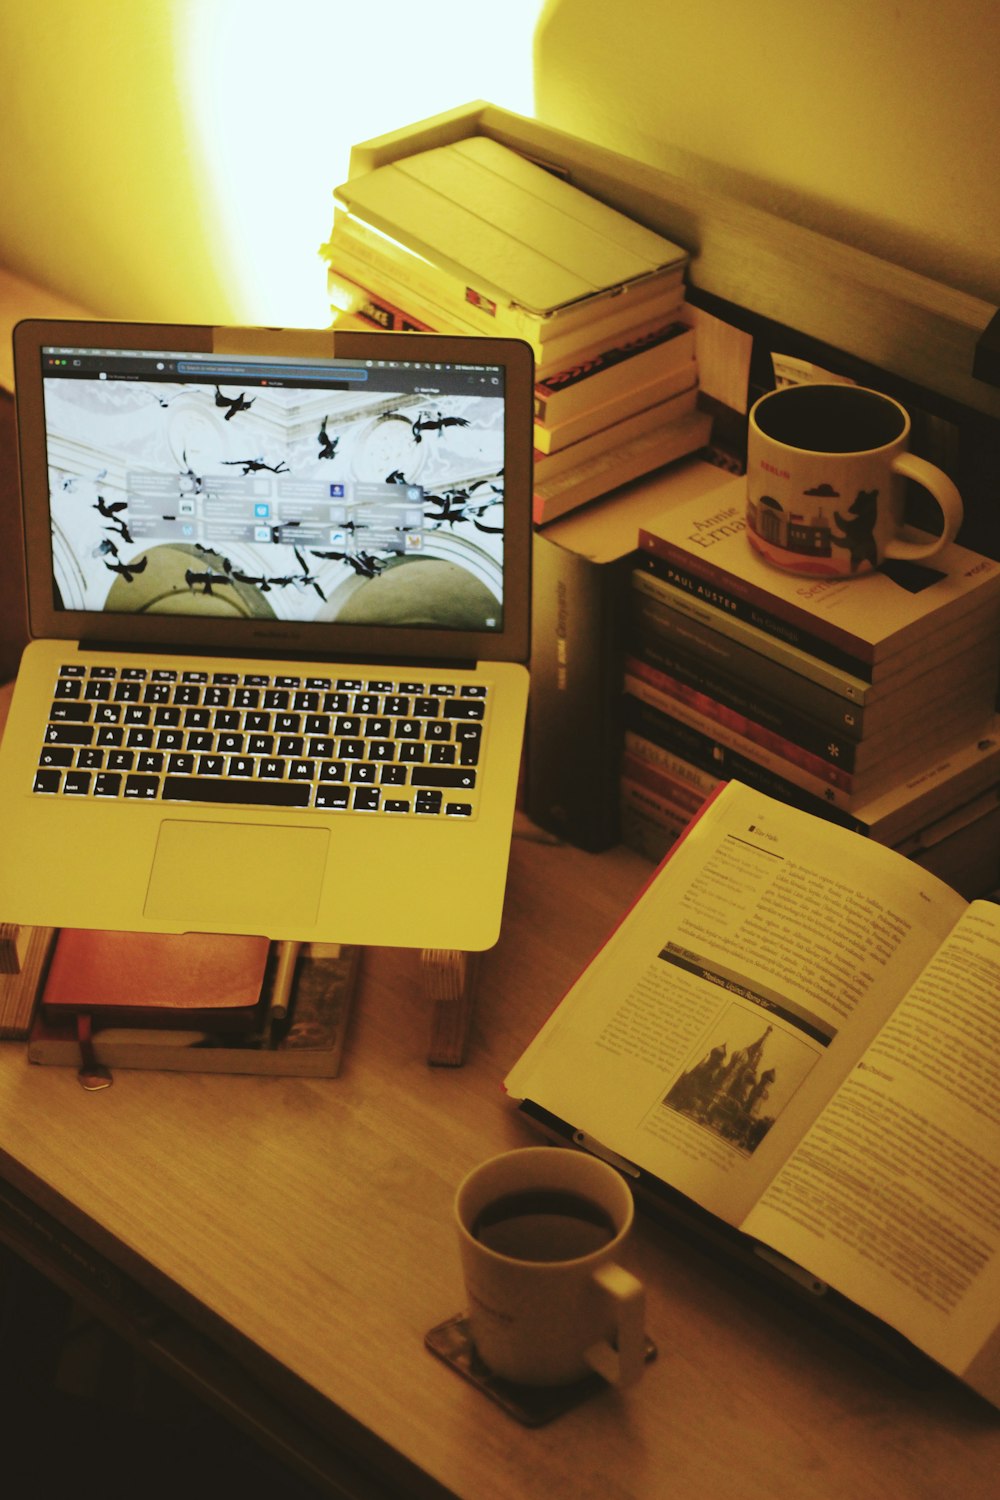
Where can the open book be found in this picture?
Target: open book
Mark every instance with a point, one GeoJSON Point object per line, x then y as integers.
{"type": "Point", "coordinates": [799, 1030]}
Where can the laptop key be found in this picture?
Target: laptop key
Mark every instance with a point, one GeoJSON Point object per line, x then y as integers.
{"type": "Point", "coordinates": [332, 798]}
{"type": "Point", "coordinates": [443, 776]}
{"type": "Point", "coordinates": [47, 781]}
{"type": "Point", "coordinates": [69, 734]}
{"type": "Point", "coordinates": [249, 793]}
{"type": "Point", "coordinates": [141, 788]}
{"type": "Point", "coordinates": [470, 739]}
{"type": "Point", "coordinates": [56, 755]}
{"type": "Point", "coordinates": [69, 712]}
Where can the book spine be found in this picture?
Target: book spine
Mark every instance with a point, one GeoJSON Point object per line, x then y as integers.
{"type": "Point", "coordinates": [352, 300]}
{"type": "Point", "coordinates": [722, 625]}
{"type": "Point", "coordinates": [705, 752]}
{"type": "Point", "coordinates": [488, 307]}
{"type": "Point", "coordinates": [574, 721]}
{"type": "Point", "coordinates": [701, 782]}
{"type": "Point", "coordinates": [729, 595]}
{"type": "Point", "coordinates": [553, 439]}
{"type": "Point", "coordinates": [786, 760]}
{"type": "Point", "coordinates": [626, 367]}
{"type": "Point", "coordinates": [939, 786]}
{"type": "Point", "coordinates": [822, 755]}
{"type": "Point", "coordinates": [761, 688]}
{"type": "Point", "coordinates": [618, 465]}
{"type": "Point", "coordinates": [652, 419]}
{"type": "Point", "coordinates": [552, 357]}
{"type": "Point", "coordinates": [375, 259]}
{"type": "Point", "coordinates": [677, 794]}
{"type": "Point", "coordinates": [390, 308]}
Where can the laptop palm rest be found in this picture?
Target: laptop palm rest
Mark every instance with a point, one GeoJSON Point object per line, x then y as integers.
{"type": "Point", "coordinates": [220, 877]}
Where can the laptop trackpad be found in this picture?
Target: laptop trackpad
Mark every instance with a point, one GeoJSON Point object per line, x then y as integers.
{"type": "Point", "coordinates": [234, 877]}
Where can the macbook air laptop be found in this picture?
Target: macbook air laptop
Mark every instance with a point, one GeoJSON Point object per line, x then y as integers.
{"type": "Point", "coordinates": [278, 592]}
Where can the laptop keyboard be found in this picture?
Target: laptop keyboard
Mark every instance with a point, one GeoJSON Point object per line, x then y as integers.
{"type": "Point", "coordinates": [403, 748]}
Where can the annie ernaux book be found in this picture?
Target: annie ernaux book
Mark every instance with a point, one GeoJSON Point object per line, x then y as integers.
{"type": "Point", "coordinates": [795, 1030]}
{"type": "Point", "coordinates": [874, 627]}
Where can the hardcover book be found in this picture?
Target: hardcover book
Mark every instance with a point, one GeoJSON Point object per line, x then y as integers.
{"type": "Point", "coordinates": [581, 565]}
{"type": "Point", "coordinates": [179, 980]}
{"type": "Point", "coordinates": [309, 1042]}
{"type": "Point", "coordinates": [778, 1043]}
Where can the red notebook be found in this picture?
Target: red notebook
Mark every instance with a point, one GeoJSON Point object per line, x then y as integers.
{"type": "Point", "coordinates": [192, 980]}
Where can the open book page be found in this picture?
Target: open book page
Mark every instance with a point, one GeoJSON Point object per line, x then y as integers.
{"type": "Point", "coordinates": [735, 996]}
{"type": "Point", "coordinates": [894, 1195]}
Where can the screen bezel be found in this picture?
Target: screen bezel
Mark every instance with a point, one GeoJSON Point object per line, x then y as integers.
{"type": "Point", "coordinates": [313, 640]}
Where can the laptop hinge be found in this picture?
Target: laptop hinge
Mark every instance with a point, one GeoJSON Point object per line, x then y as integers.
{"type": "Point", "coordinates": [361, 659]}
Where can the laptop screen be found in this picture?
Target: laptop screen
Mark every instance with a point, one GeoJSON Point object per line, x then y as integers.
{"type": "Point", "coordinates": [191, 485]}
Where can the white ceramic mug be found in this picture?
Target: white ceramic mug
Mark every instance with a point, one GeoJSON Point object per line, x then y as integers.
{"type": "Point", "coordinates": [827, 467]}
{"type": "Point", "coordinates": [540, 1230]}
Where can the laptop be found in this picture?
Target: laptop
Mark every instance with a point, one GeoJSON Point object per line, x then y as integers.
{"type": "Point", "coordinates": [278, 597]}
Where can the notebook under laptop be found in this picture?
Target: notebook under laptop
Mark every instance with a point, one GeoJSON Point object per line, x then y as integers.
{"type": "Point", "coordinates": [278, 594]}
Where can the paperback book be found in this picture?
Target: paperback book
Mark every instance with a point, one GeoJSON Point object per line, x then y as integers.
{"type": "Point", "coordinates": [605, 439]}
{"type": "Point", "coordinates": [868, 622]}
{"type": "Point", "coordinates": [515, 246]}
{"type": "Point", "coordinates": [614, 376]}
{"type": "Point", "coordinates": [789, 1039]}
{"type": "Point", "coordinates": [606, 471]}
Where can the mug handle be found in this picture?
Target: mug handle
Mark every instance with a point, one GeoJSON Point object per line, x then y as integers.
{"type": "Point", "coordinates": [623, 1362]}
{"type": "Point", "coordinates": [947, 497]}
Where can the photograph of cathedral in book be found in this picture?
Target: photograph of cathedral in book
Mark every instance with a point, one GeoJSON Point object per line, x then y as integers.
{"type": "Point", "coordinates": [744, 1075]}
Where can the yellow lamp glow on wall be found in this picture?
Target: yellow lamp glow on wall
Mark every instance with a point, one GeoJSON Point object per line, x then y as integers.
{"type": "Point", "coordinates": [277, 95]}
{"type": "Point", "coordinates": [176, 160]}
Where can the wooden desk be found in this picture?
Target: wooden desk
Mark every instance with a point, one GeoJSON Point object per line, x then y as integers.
{"type": "Point", "coordinates": [285, 1244]}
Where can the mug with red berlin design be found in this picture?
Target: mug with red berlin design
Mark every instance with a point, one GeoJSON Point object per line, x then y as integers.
{"type": "Point", "coordinates": [827, 466]}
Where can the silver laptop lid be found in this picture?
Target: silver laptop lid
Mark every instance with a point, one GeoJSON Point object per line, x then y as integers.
{"type": "Point", "coordinates": [344, 495]}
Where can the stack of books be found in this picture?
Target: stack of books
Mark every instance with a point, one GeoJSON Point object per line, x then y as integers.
{"type": "Point", "coordinates": [871, 701]}
{"type": "Point", "coordinates": [187, 1002]}
{"type": "Point", "coordinates": [473, 238]}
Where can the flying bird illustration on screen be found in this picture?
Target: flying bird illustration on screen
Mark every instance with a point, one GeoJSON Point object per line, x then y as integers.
{"type": "Point", "coordinates": [435, 424]}
{"type": "Point", "coordinates": [327, 444]}
{"type": "Point", "coordinates": [127, 570]}
{"type": "Point", "coordinates": [110, 511]}
{"type": "Point", "coordinates": [233, 404]}
{"type": "Point", "coordinates": [255, 465]}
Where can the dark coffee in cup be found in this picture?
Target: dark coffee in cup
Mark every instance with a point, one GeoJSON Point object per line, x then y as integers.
{"type": "Point", "coordinates": [544, 1224]}
{"type": "Point", "coordinates": [828, 468]}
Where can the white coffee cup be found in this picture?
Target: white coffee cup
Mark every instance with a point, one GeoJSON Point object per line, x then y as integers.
{"type": "Point", "coordinates": [827, 466]}
{"type": "Point", "coordinates": [540, 1230]}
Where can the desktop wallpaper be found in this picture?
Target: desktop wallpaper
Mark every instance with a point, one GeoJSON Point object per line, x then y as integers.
{"type": "Point", "coordinates": [283, 503]}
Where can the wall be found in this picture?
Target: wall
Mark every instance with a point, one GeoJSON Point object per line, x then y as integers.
{"type": "Point", "coordinates": [174, 159]}
{"type": "Point", "coordinates": [872, 121]}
